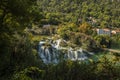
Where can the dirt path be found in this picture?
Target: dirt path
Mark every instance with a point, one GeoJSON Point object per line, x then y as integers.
{"type": "Point", "coordinates": [112, 50]}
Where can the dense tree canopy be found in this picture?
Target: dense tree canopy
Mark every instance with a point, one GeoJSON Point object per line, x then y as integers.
{"type": "Point", "coordinates": [14, 17]}
{"type": "Point", "coordinates": [103, 13]}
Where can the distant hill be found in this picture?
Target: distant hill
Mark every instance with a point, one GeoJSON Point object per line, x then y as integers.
{"type": "Point", "coordinates": [103, 13]}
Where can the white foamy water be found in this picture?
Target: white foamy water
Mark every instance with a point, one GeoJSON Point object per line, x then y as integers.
{"type": "Point", "coordinates": [52, 54]}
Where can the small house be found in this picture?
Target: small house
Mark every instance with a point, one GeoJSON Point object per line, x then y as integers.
{"type": "Point", "coordinates": [104, 32]}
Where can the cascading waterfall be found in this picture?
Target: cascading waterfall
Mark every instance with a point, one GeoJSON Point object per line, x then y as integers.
{"type": "Point", "coordinates": [52, 54]}
{"type": "Point", "coordinates": [76, 55]}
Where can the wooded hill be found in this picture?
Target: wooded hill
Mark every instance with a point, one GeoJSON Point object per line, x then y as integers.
{"type": "Point", "coordinates": [99, 13]}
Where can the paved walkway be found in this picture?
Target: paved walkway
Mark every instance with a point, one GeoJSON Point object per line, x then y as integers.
{"type": "Point", "coordinates": [112, 50]}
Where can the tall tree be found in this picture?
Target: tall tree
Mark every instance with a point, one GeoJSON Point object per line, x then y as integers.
{"type": "Point", "coordinates": [14, 17]}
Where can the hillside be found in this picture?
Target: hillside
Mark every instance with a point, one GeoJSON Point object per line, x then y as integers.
{"type": "Point", "coordinates": [59, 39]}
{"type": "Point", "coordinates": [99, 13]}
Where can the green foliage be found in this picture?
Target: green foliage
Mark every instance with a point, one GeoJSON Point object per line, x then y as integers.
{"type": "Point", "coordinates": [106, 67]}
{"type": "Point", "coordinates": [115, 42]}
{"type": "Point", "coordinates": [65, 30]}
{"type": "Point", "coordinates": [18, 53]}
{"type": "Point", "coordinates": [78, 36]}
{"type": "Point", "coordinates": [32, 73]}
{"type": "Point", "coordinates": [85, 28]}
{"type": "Point", "coordinates": [16, 48]}
{"type": "Point", "coordinates": [97, 13]}
{"type": "Point", "coordinates": [103, 40]}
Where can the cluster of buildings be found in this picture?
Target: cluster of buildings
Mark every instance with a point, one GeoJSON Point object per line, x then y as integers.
{"type": "Point", "coordinates": [104, 31]}
{"type": "Point", "coordinates": [107, 31]}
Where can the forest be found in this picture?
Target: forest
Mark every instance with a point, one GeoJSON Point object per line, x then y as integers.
{"type": "Point", "coordinates": [24, 23]}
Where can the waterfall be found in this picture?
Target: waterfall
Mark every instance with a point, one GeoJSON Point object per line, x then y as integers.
{"type": "Point", "coordinates": [52, 54]}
